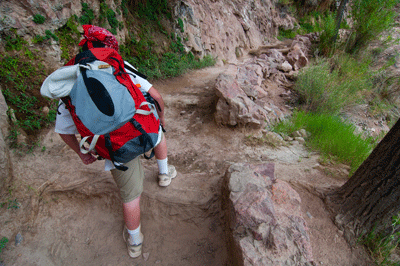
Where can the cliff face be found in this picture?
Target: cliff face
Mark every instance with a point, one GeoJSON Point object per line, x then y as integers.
{"type": "Point", "coordinates": [229, 28]}
{"type": "Point", "coordinates": [225, 29]}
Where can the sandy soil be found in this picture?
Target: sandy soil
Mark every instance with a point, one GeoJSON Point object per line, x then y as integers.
{"type": "Point", "coordinates": [70, 214]}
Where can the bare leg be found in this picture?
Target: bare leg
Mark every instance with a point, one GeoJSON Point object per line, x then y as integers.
{"type": "Point", "coordinates": [160, 150]}
{"type": "Point", "coordinates": [132, 213]}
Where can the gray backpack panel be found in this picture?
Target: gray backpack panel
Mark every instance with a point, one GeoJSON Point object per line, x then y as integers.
{"type": "Point", "coordinates": [101, 102]}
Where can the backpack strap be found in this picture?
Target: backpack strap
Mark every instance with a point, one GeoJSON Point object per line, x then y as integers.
{"type": "Point", "coordinates": [135, 71]}
{"type": "Point", "coordinates": [145, 138]}
{"type": "Point", "coordinates": [144, 112]}
{"type": "Point", "coordinates": [108, 145]}
{"type": "Point", "coordinates": [91, 146]}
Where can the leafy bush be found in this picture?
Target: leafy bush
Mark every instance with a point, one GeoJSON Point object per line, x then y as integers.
{"type": "Point", "coordinates": [153, 9]}
{"type": "Point", "coordinates": [39, 19]}
{"type": "Point", "coordinates": [87, 15]}
{"type": "Point", "coordinates": [40, 39]}
{"type": "Point", "coordinates": [286, 34]}
{"type": "Point", "coordinates": [15, 42]}
{"type": "Point", "coordinates": [371, 18]}
{"type": "Point", "coordinates": [69, 36]}
{"type": "Point", "coordinates": [328, 32]}
{"type": "Point", "coordinates": [330, 135]}
{"type": "Point", "coordinates": [331, 86]}
{"type": "Point", "coordinates": [181, 26]}
{"type": "Point", "coordinates": [21, 76]}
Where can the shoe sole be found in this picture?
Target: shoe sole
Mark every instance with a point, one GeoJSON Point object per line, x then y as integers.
{"type": "Point", "coordinates": [165, 183]}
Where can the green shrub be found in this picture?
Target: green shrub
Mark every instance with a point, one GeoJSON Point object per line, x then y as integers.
{"type": "Point", "coordinates": [87, 15]}
{"type": "Point", "coordinates": [331, 86]}
{"type": "Point", "coordinates": [181, 26]}
{"type": "Point", "coordinates": [15, 42]}
{"type": "Point", "coordinates": [69, 37]}
{"type": "Point", "coordinates": [40, 39]}
{"type": "Point", "coordinates": [153, 9]}
{"type": "Point", "coordinates": [39, 19]}
{"type": "Point", "coordinates": [327, 34]}
{"type": "Point", "coordinates": [124, 8]}
{"type": "Point", "coordinates": [20, 77]}
{"type": "Point", "coordinates": [371, 18]}
{"type": "Point", "coordinates": [286, 34]}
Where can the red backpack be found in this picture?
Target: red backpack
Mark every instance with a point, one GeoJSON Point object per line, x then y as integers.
{"type": "Point", "coordinates": [109, 111]}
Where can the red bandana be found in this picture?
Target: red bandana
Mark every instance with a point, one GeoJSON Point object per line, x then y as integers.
{"type": "Point", "coordinates": [94, 33]}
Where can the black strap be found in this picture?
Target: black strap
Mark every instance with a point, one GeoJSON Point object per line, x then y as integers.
{"type": "Point", "coordinates": [144, 138]}
{"type": "Point", "coordinates": [85, 57]}
{"type": "Point", "coordinates": [110, 151]}
{"type": "Point", "coordinates": [135, 71]}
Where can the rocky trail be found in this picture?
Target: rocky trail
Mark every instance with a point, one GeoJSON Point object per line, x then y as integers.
{"type": "Point", "coordinates": [69, 214]}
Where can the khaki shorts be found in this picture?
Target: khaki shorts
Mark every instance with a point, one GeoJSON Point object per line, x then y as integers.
{"type": "Point", "coordinates": [129, 182]}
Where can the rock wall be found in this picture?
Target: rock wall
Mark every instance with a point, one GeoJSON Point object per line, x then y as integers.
{"type": "Point", "coordinates": [5, 163]}
{"type": "Point", "coordinates": [247, 91]}
{"type": "Point", "coordinates": [225, 29]}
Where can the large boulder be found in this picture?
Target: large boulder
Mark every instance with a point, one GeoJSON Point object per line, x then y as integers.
{"type": "Point", "coordinates": [234, 106]}
{"type": "Point", "coordinates": [243, 95]}
{"type": "Point", "coordinates": [299, 50]}
{"type": "Point", "coordinates": [265, 218]}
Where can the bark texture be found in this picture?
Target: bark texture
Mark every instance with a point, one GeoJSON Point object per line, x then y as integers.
{"type": "Point", "coordinates": [371, 196]}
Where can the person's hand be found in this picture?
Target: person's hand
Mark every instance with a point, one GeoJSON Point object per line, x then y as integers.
{"type": "Point", "coordinates": [87, 158]}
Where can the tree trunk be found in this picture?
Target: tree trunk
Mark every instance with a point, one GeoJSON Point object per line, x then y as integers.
{"type": "Point", "coordinates": [371, 197]}
{"type": "Point", "coordinates": [339, 18]}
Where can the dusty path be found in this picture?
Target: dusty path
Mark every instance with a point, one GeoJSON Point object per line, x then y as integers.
{"type": "Point", "coordinates": [70, 213]}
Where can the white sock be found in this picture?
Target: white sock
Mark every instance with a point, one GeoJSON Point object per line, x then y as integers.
{"type": "Point", "coordinates": [163, 166]}
{"type": "Point", "coordinates": [135, 236]}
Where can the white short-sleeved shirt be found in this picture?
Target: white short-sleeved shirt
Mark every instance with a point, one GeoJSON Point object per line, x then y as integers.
{"type": "Point", "coordinates": [65, 124]}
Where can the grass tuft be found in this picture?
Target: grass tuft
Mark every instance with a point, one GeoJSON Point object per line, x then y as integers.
{"type": "Point", "coordinates": [331, 136]}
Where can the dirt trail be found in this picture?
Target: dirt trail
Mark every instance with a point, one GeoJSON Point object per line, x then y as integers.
{"type": "Point", "coordinates": [69, 223]}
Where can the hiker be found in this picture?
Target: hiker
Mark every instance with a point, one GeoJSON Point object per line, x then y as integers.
{"type": "Point", "coordinates": [129, 182]}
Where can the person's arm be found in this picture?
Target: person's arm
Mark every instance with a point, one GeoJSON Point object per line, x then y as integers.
{"type": "Point", "coordinates": [72, 142]}
{"type": "Point", "coordinates": [157, 97]}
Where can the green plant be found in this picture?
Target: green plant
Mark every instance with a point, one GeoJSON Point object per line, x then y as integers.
{"type": "Point", "coordinates": [40, 39]}
{"type": "Point", "coordinates": [330, 135]}
{"type": "Point", "coordinates": [124, 8]}
{"type": "Point", "coordinates": [20, 77]}
{"type": "Point", "coordinates": [286, 33]}
{"type": "Point", "coordinates": [15, 42]}
{"type": "Point", "coordinates": [87, 15]}
{"type": "Point", "coordinates": [69, 36]}
{"type": "Point", "coordinates": [107, 13]}
{"type": "Point", "coordinates": [13, 204]}
{"type": "Point", "coordinates": [181, 26]}
{"type": "Point", "coordinates": [331, 86]}
{"type": "Point", "coordinates": [39, 19]}
{"type": "Point", "coordinates": [327, 34]}
{"type": "Point", "coordinates": [3, 243]}
{"type": "Point", "coordinates": [371, 18]}
{"type": "Point", "coordinates": [13, 135]}
{"type": "Point", "coordinates": [152, 9]}
{"type": "Point", "coordinates": [382, 244]}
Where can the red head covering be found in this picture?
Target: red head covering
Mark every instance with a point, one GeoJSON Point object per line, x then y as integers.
{"type": "Point", "coordinates": [97, 34]}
